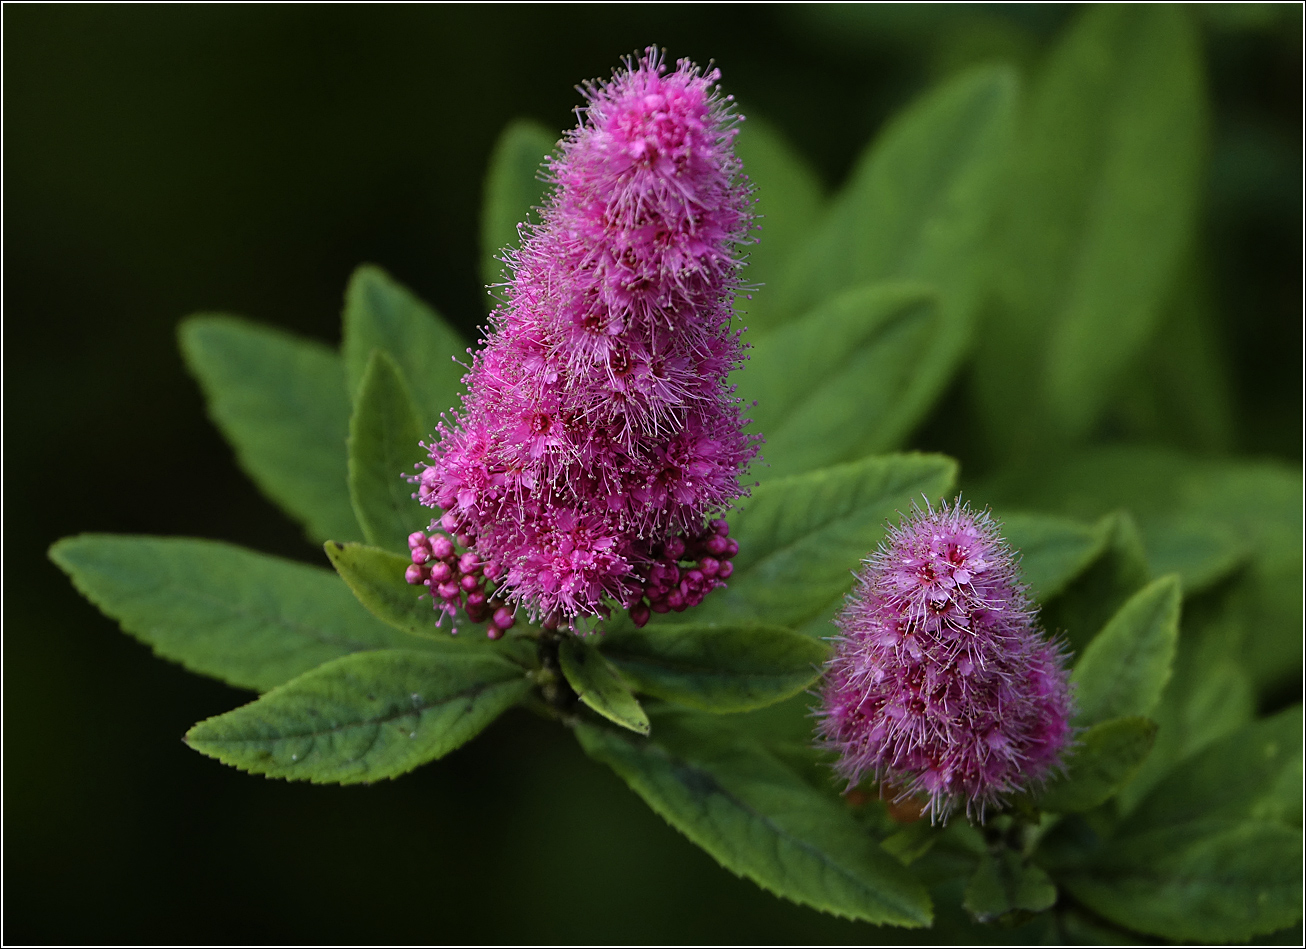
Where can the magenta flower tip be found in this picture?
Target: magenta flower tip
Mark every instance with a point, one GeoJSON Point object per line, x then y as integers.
{"type": "Point", "coordinates": [941, 684]}
{"type": "Point", "coordinates": [599, 434]}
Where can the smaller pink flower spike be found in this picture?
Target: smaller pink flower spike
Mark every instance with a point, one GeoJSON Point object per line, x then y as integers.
{"type": "Point", "coordinates": [941, 684]}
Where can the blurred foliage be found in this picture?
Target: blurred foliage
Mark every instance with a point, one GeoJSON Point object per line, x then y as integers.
{"type": "Point", "coordinates": [163, 160]}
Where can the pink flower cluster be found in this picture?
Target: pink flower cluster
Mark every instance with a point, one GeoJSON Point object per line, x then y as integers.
{"type": "Point", "coordinates": [941, 683]}
{"type": "Point", "coordinates": [666, 586]}
{"type": "Point", "coordinates": [598, 426]}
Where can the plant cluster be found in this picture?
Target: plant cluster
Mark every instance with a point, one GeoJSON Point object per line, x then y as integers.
{"type": "Point", "coordinates": [1022, 248]}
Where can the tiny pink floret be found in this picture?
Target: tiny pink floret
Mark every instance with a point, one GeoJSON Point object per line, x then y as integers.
{"type": "Point", "coordinates": [941, 683]}
{"type": "Point", "coordinates": [599, 433]}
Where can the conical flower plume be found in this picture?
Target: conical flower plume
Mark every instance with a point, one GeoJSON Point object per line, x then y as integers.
{"type": "Point", "coordinates": [599, 437]}
{"type": "Point", "coordinates": [941, 683]}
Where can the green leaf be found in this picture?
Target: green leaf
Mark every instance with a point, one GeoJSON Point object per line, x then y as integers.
{"type": "Point", "coordinates": [1209, 694]}
{"type": "Point", "coordinates": [514, 187]}
{"type": "Point", "coordinates": [1214, 881]}
{"type": "Point", "coordinates": [1053, 550]}
{"type": "Point", "coordinates": [1180, 395]}
{"type": "Point", "coordinates": [1004, 884]}
{"type": "Point", "coordinates": [1105, 757]}
{"type": "Point", "coordinates": [383, 447]}
{"type": "Point", "coordinates": [731, 667]}
{"type": "Point", "coordinates": [1096, 595]}
{"type": "Point", "coordinates": [1255, 506]}
{"type": "Point", "coordinates": [365, 717]}
{"type": "Point", "coordinates": [1102, 205]}
{"type": "Point", "coordinates": [788, 206]}
{"type": "Point", "coordinates": [381, 313]}
{"type": "Point", "coordinates": [761, 821]}
{"type": "Point", "coordinates": [919, 202]}
{"type": "Point", "coordinates": [280, 400]}
{"type": "Point", "coordinates": [801, 537]}
{"type": "Point", "coordinates": [248, 619]}
{"type": "Point", "coordinates": [599, 686]}
{"type": "Point", "coordinates": [376, 577]}
{"type": "Point", "coordinates": [912, 842]}
{"type": "Point", "coordinates": [1255, 772]}
{"type": "Point", "coordinates": [1127, 665]}
{"type": "Point", "coordinates": [847, 380]}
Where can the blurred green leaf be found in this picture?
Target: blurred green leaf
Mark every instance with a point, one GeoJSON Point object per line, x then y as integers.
{"type": "Point", "coordinates": [912, 842]}
{"type": "Point", "coordinates": [1103, 198]}
{"type": "Point", "coordinates": [514, 187]}
{"type": "Point", "coordinates": [759, 820]}
{"type": "Point", "coordinates": [788, 205]}
{"type": "Point", "coordinates": [251, 620]}
{"type": "Point", "coordinates": [1105, 757]}
{"type": "Point", "coordinates": [381, 313]}
{"type": "Point", "coordinates": [1078, 928]}
{"type": "Point", "coordinates": [280, 401]}
{"type": "Point", "coordinates": [1125, 667]}
{"type": "Point", "coordinates": [917, 207]}
{"type": "Point", "coordinates": [1255, 772]}
{"type": "Point", "coordinates": [599, 686]}
{"type": "Point", "coordinates": [801, 537]}
{"type": "Point", "coordinates": [1226, 508]}
{"type": "Point", "coordinates": [1092, 598]}
{"type": "Point", "coordinates": [850, 379]}
{"type": "Point", "coordinates": [1180, 394]}
{"type": "Point", "coordinates": [1053, 550]}
{"type": "Point", "coordinates": [383, 447]}
{"type": "Point", "coordinates": [730, 667]}
{"type": "Point", "coordinates": [1213, 881]}
{"type": "Point", "coordinates": [364, 717]}
{"type": "Point", "coordinates": [1005, 883]}
{"type": "Point", "coordinates": [918, 204]}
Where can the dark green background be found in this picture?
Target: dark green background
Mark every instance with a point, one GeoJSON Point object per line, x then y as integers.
{"type": "Point", "coordinates": [164, 160]}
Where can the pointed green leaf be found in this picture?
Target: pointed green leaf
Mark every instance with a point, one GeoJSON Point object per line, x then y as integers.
{"type": "Point", "coordinates": [801, 537]}
{"type": "Point", "coordinates": [381, 313]}
{"type": "Point", "coordinates": [1213, 881]}
{"type": "Point", "coordinates": [376, 577]}
{"type": "Point", "coordinates": [847, 380]}
{"type": "Point", "coordinates": [1091, 599]}
{"type": "Point", "coordinates": [788, 204]}
{"type": "Point", "coordinates": [599, 686]}
{"type": "Point", "coordinates": [731, 667]}
{"type": "Point", "coordinates": [514, 186]}
{"type": "Point", "coordinates": [248, 619]}
{"type": "Point", "coordinates": [1104, 758]}
{"type": "Point", "coordinates": [1255, 772]}
{"type": "Point", "coordinates": [919, 202]}
{"type": "Point", "coordinates": [1102, 204]}
{"type": "Point", "coordinates": [1209, 694]}
{"type": "Point", "coordinates": [761, 821]}
{"type": "Point", "coordinates": [364, 717]}
{"type": "Point", "coordinates": [280, 400]}
{"type": "Point", "coordinates": [1127, 665]}
{"type": "Point", "coordinates": [1053, 550]}
{"type": "Point", "coordinates": [1004, 884]}
{"type": "Point", "coordinates": [383, 448]}
{"type": "Point", "coordinates": [1197, 516]}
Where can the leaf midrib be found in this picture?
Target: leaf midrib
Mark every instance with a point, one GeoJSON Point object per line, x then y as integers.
{"type": "Point", "coordinates": [417, 710]}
